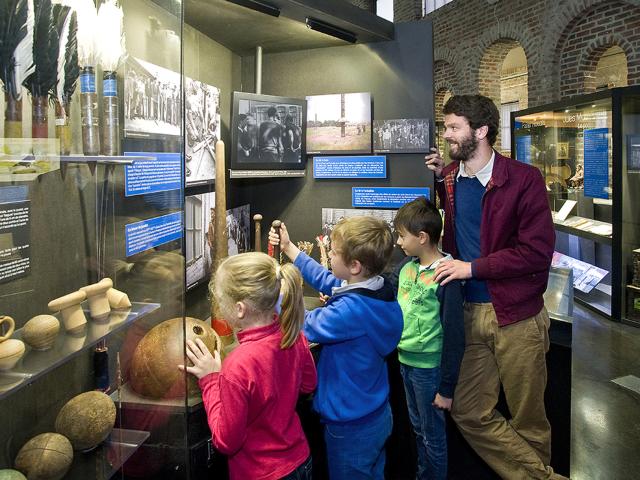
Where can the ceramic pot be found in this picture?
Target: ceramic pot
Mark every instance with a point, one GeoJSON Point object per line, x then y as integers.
{"type": "Point", "coordinates": [10, 352]}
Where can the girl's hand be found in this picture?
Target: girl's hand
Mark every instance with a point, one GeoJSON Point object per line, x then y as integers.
{"type": "Point", "coordinates": [203, 362]}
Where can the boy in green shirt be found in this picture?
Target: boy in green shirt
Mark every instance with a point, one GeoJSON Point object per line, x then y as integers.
{"type": "Point", "coordinates": [432, 344]}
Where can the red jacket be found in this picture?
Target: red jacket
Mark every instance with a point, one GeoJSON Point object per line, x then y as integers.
{"type": "Point", "coordinates": [516, 236]}
{"type": "Point", "coordinates": [251, 404]}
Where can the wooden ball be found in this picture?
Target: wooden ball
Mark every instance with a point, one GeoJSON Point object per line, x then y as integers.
{"type": "Point", "coordinates": [154, 368]}
{"type": "Point", "coordinates": [47, 456]}
{"type": "Point", "coordinates": [87, 420]}
{"type": "Point", "coordinates": [7, 474]}
{"type": "Point", "coordinates": [40, 332]}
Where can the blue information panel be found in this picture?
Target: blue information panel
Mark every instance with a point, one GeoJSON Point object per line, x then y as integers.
{"type": "Point", "coordinates": [141, 236]}
{"type": "Point", "coordinates": [149, 176]}
{"type": "Point", "coordinates": [385, 197]}
{"type": "Point", "coordinates": [523, 148]}
{"type": "Point", "coordinates": [374, 166]}
{"type": "Point", "coordinates": [596, 163]}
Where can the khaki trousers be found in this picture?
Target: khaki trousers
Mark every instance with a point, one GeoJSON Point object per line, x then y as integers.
{"type": "Point", "coordinates": [513, 355]}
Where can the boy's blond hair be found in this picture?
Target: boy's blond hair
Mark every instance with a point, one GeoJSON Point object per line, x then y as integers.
{"type": "Point", "coordinates": [366, 239]}
{"type": "Point", "coordinates": [257, 280]}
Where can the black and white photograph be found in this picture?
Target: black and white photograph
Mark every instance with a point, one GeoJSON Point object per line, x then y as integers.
{"type": "Point", "coordinates": [268, 132]}
{"type": "Point", "coordinates": [202, 124]}
{"type": "Point", "coordinates": [151, 100]}
{"type": "Point", "coordinates": [401, 135]}
{"type": "Point", "coordinates": [633, 153]}
{"type": "Point", "coordinates": [339, 123]}
{"type": "Point", "coordinates": [238, 229]}
{"type": "Point", "coordinates": [198, 211]}
{"type": "Point", "coordinates": [331, 216]}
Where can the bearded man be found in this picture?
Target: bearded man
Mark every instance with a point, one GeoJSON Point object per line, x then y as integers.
{"type": "Point", "coordinates": [499, 229]}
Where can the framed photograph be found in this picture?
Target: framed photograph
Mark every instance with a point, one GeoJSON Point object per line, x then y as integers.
{"type": "Point", "coordinates": [238, 229]}
{"type": "Point", "coordinates": [198, 211]}
{"type": "Point", "coordinates": [268, 133]}
{"type": "Point", "coordinates": [562, 152]}
{"type": "Point", "coordinates": [633, 153]}
{"type": "Point", "coordinates": [202, 128]}
{"type": "Point", "coordinates": [339, 123]}
{"type": "Point", "coordinates": [402, 135]}
{"type": "Point", "coordinates": [152, 104]}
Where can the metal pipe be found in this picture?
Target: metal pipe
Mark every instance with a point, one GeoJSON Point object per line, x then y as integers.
{"type": "Point", "coordinates": [258, 69]}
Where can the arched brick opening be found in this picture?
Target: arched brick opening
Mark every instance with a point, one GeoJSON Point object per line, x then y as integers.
{"type": "Point", "coordinates": [489, 74]}
{"type": "Point", "coordinates": [585, 38]}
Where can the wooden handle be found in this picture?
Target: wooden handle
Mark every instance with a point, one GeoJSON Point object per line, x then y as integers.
{"type": "Point", "coordinates": [221, 243]}
{"type": "Point", "coordinates": [12, 327]}
{"type": "Point", "coordinates": [257, 218]}
{"type": "Point", "coordinates": [276, 248]}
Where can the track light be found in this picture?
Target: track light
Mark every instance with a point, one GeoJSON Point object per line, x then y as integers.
{"type": "Point", "coordinates": [320, 26]}
{"type": "Point", "coordinates": [261, 7]}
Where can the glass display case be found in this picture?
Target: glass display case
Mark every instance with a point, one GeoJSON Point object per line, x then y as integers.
{"type": "Point", "coordinates": [584, 148]}
{"type": "Point", "coordinates": [91, 247]}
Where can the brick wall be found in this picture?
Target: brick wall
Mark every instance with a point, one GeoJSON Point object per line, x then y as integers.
{"type": "Point", "coordinates": [562, 40]}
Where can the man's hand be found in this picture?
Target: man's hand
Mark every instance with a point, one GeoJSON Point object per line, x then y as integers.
{"type": "Point", "coordinates": [287, 246]}
{"type": "Point", "coordinates": [452, 270]}
{"type": "Point", "coordinates": [203, 362]}
{"type": "Point", "coordinates": [435, 162]}
{"type": "Point", "coordinates": [443, 403]}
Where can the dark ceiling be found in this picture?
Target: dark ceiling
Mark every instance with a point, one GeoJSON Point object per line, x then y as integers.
{"type": "Point", "coordinates": [241, 29]}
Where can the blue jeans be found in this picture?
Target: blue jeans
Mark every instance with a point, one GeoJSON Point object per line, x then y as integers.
{"type": "Point", "coordinates": [303, 472]}
{"type": "Point", "coordinates": [421, 386]}
{"type": "Point", "coordinates": [356, 450]}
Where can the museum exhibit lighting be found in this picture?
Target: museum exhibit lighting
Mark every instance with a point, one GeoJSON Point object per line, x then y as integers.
{"type": "Point", "coordinates": [320, 26]}
{"type": "Point", "coordinates": [261, 7]}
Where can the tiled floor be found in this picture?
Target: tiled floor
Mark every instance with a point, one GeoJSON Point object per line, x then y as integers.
{"type": "Point", "coordinates": [605, 417]}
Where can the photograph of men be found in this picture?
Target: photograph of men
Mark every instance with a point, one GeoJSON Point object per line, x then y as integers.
{"type": "Point", "coordinates": [268, 132]}
{"type": "Point", "coordinates": [151, 100]}
{"type": "Point", "coordinates": [404, 135]}
{"type": "Point", "coordinates": [202, 125]}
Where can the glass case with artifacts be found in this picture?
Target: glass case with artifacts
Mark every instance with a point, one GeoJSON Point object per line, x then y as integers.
{"type": "Point", "coordinates": [91, 243]}
{"type": "Point", "coordinates": [584, 148]}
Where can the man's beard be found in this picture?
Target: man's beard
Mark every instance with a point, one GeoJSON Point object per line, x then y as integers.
{"type": "Point", "coordinates": [465, 148]}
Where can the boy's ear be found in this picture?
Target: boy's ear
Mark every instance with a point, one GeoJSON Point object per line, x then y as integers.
{"type": "Point", "coordinates": [355, 268]}
{"type": "Point", "coordinates": [423, 237]}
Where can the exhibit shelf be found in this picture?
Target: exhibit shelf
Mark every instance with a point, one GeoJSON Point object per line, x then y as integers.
{"type": "Point", "coordinates": [123, 443]}
{"type": "Point", "coordinates": [126, 396]}
{"type": "Point", "coordinates": [101, 159]}
{"type": "Point", "coordinates": [35, 364]}
{"type": "Point", "coordinates": [566, 226]}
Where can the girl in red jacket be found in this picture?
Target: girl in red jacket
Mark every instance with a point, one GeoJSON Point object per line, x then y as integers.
{"type": "Point", "coordinates": [251, 399]}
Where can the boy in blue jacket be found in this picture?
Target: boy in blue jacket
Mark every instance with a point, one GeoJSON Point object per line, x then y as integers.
{"type": "Point", "coordinates": [359, 326]}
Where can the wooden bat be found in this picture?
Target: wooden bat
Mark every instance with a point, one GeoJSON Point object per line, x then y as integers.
{"type": "Point", "coordinates": [220, 243]}
{"type": "Point", "coordinates": [257, 218]}
{"type": "Point", "coordinates": [276, 248]}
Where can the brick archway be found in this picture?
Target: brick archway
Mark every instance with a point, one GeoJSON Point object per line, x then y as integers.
{"type": "Point", "coordinates": [574, 59]}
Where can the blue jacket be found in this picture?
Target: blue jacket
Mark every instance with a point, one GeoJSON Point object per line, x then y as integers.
{"type": "Point", "coordinates": [357, 329]}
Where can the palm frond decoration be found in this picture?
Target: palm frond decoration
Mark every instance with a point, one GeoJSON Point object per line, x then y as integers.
{"type": "Point", "coordinates": [110, 35]}
{"type": "Point", "coordinates": [16, 44]}
{"type": "Point", "coordinates": [68, 69]}
{"type": "Point", "coordinates": [45, 50]}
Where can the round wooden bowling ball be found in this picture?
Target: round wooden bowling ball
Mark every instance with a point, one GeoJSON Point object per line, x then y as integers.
{"type": "Point", "coordinates": [154, 367]}
{"type": "Point", "coordinates": [87, 420]}
{"type": "Point", "coordinates": [47, 456]}
{"type": "Point", "coordinates": [7, 474]}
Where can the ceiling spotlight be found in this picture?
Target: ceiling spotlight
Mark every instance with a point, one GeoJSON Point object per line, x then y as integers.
{"type": "Point", "coordinates": [261, 7]}
{"type": "Point", "coordinates": [328, 29]}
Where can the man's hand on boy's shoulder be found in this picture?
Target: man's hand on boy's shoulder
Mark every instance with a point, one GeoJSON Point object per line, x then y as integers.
{"type": "Point", "coordinates": [443, 403]}
{"type": "Point", "coordinates": [452, 270]}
